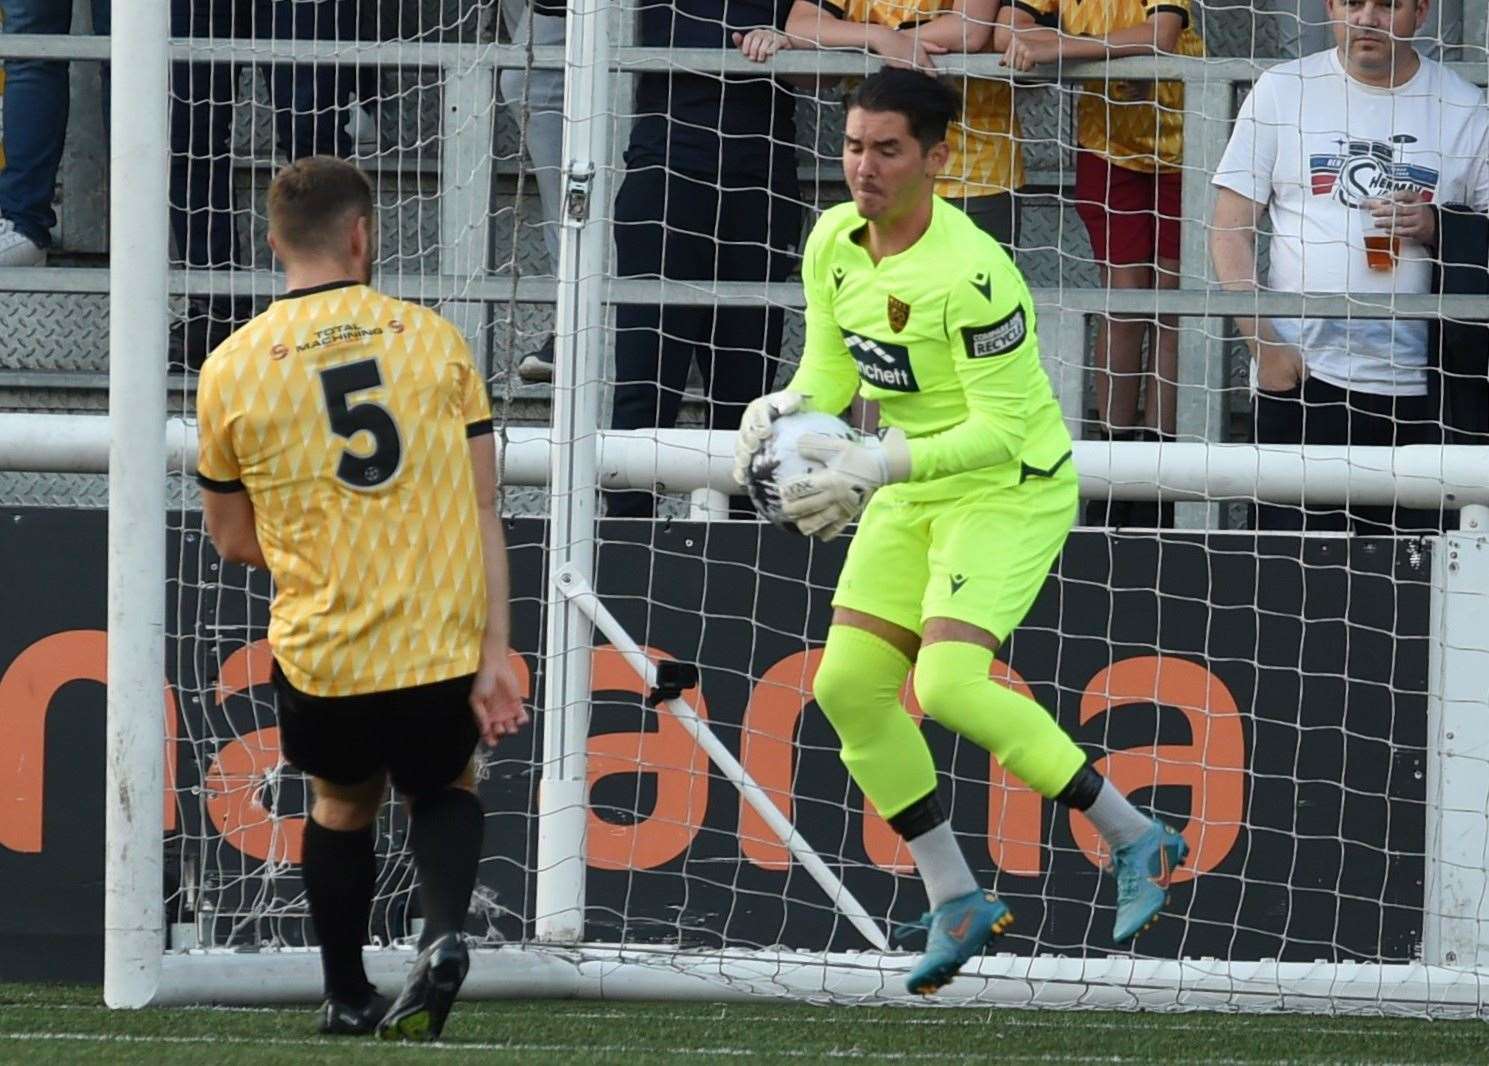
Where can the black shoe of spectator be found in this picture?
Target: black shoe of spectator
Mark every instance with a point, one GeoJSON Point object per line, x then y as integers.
{"type": "Point", "coordinates": [537, 365]}
{"type": "Point", "coordinates": [206, 325]}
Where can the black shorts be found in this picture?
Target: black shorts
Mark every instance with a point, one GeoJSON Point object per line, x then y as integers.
{"type": "Point", "coordinates": [422, 736]}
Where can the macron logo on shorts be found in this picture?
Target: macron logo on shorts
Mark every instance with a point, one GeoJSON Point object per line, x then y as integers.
{"type": "Point", "coordinates": [881, 363]}
{"type": "Point", "coordinates": [998, 338]}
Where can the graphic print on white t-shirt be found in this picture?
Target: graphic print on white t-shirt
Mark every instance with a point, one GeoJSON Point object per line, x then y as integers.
{"type": "Point", "coordinates": [1310, 142]}
{"type": "Point", "coordinates": [1363, 170]}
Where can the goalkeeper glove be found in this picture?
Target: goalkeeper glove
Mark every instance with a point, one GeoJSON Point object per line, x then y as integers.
{"type": "Point", "coordinates": [754, 427]}
{"type": "Point", "coordinates": [822, 504]}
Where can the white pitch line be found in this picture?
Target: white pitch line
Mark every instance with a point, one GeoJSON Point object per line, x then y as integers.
{"type": "Point", "coordinates": [632, 1049]}
{"type": "Point", "coordinates": [849, 1014]}
{"type": "Point", "coordinates": [200, 1008]}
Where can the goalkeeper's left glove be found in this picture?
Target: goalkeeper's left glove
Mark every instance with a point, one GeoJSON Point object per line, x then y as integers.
{"type": "Point", "coordinates": [824, 503]}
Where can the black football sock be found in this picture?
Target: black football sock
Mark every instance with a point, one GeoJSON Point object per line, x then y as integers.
{"type": "Point", "coordinates": [340, 873]}
{"type": "Point", "coordinates": [447, 830]}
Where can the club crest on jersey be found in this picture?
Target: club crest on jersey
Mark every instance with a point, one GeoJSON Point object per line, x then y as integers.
{"type": "Point", "coordinates": [997, 338]}
{"type": "Point", "coordinates": [884, 365]}
{"type": "Point", "coordinates": [899, 314]}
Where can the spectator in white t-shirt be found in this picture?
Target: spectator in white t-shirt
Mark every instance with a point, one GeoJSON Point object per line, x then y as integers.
{"type": "Point", "coordinates": [1369, 130]}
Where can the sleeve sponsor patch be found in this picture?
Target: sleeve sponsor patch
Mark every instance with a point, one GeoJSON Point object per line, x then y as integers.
{"type": "Point", "coordinates": [999, 338]}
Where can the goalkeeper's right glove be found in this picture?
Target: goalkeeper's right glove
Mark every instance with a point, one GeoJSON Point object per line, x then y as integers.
{"type": "Point", "coordinates": [754, 427]}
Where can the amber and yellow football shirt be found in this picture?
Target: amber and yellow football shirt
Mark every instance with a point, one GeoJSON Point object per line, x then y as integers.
{"type": "Point", "coordinates": [1134, 124]}
{"type": "Point", "coordinates": [985, 157]}
{"type": "Point", "coordinates": [346, 415]}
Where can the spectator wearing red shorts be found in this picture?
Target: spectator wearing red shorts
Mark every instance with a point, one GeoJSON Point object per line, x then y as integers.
{"type": "Point", "coordinates": [1127, 187]}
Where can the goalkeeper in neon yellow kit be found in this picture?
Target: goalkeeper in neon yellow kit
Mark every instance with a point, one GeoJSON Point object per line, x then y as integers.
{"type": "Point", "coordinates": [965, 503]}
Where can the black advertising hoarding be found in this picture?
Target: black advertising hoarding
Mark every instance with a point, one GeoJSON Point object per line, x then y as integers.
{"type": "Point", "coordinates": [1270, 689]}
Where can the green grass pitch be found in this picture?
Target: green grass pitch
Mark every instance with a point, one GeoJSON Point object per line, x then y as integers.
{"type": "Point", "coordinates": [56, 1025]}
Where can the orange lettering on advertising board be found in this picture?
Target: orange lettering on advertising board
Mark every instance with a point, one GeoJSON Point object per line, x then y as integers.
{"type": "Point", "coordinates": [1211, 765]}
{"type": "Point", "coordinates": [235, 786]}
{"type": "Point", "coordinates": [243, 767]}
{"type": "Point", "coordinates": [768, 748]}
{"type": "Point", "coordinates": [26, 692]}
{"type": "Point", "coordinates": [1015, 812]}
{"type": "Point", "coordinates": [678, 764]}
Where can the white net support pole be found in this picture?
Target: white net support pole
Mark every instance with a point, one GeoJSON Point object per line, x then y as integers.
{"type": "Point", "coordinates": [578, 591]}
{"type": "Point", "coordinates": [1455, 910]}
{"type": "Point", "coordinates": [1201, 400]}
{"type": "Point", "coordinates": [134, 915]}
{"type": "Point", "coordinates": [579, 346]}
{"type": "Point", "coordinates": [467, 116]}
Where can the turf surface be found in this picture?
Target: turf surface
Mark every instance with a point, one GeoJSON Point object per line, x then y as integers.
{"type": "Point", "coordinates": [55, 1025]}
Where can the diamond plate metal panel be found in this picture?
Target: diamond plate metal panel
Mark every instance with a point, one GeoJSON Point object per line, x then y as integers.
{"type": "Point", "coordinates": [1238, 29]}
{"type": "Point", "coordinates": [54, 331]}
{"type": "Point", "coordinates": [19, 489]}
{"type": "Point", "coordinates": [63, 401]}
{"type": "Point", "coordinates": [409, 223]}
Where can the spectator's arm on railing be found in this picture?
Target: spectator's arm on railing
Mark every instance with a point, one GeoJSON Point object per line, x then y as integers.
{"type": "Point", "coordinates": [812, 26]}
{"type": "Point", "coordinates": [1027, 44]}
{"type": "Point", "coordinates": [761, 43]}
{"type": "Point", "coordinates": [1009, 17]}
{"type": "Point", "coordinates": [1279, 366]}
{"type": "Point", "coordinates": [967, 27]}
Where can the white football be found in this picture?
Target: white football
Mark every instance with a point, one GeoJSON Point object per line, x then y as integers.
{"type": "Point", "coordinates": [777, 460]}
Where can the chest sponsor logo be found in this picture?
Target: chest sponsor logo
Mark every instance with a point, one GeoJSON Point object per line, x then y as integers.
{"type": "Point", "coordinates": [998, 338]}
{"type": "Point", "coordinates": [1361, 170]}
{"type": "Point", "coordinates": [899, 314]}
{"type": "Point", "coordinates": [880, 363]}
{"type": "Point", "coordinates": [341, 333]}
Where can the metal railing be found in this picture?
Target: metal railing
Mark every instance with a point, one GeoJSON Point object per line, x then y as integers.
{"type": "Point", "coordinates": [467, 280]}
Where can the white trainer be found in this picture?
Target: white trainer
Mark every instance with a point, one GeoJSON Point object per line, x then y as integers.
{"type": "Point", "coordinates": [18, 250]}
{"type": "Point", "coordinates": [361, 126]}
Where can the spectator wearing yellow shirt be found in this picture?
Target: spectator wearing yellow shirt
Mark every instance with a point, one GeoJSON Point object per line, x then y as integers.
{"type": "Point", "coordinates": [985, 165]}
{"type": "Point", "coordinates": [1127, 182]}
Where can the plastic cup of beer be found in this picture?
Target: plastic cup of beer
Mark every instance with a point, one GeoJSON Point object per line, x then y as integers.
{"type": "Point", "coordinates": [1381, 247]}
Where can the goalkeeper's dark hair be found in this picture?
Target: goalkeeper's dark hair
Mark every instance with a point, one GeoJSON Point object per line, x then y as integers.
{"type": "Point", "coordinates": [929, 106]}
{"type": "Point", "coordinates": [311, 199]}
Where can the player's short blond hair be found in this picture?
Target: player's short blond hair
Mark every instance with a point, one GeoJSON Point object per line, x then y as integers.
{"type": "Point", "coordinates": [310, 201]}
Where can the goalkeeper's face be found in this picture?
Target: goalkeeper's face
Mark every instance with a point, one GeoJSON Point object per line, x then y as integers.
{"type": "Point", "coordinates": [888, 172]}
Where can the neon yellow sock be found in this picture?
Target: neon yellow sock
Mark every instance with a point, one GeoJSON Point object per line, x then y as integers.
{"type": "Point", "coordinates": [953, 687]}
{"type": "Point", "coordinates": [858, 688]}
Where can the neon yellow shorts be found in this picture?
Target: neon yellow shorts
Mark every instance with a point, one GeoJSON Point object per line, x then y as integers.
{"type": "Point", "coordinates": [981, 559]}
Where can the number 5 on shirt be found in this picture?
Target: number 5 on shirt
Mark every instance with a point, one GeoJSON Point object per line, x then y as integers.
{"type": "Point", "coordinates": [361, 471]}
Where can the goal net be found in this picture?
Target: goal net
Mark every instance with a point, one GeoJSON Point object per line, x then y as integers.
{"type": "Point", "coordinates": [1290, 701]}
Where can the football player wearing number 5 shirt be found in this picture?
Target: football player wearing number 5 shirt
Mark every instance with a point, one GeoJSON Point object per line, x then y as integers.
{"type": "Point", "coordinates": [965, 505]}
{"type": "Point", "coordinates": [345, 447]}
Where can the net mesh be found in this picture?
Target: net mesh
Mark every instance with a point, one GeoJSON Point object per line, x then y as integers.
{"type": "Point", "coordinates": [1266, 694]}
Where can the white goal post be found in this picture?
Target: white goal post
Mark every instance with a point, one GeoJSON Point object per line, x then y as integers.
{"type": "Point", "coordinates": [1448, 981]}
{"type": "Point", "coordinates": [137, 442]}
